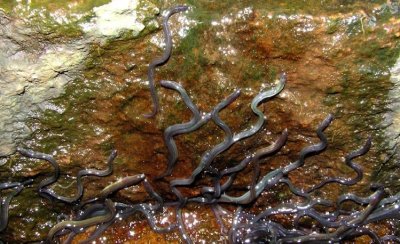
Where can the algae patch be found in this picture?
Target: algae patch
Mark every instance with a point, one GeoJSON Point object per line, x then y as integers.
{"type": "Point", "coordinates": [27, 80]}
{"type": "Point", "coordinates": [44, 45]}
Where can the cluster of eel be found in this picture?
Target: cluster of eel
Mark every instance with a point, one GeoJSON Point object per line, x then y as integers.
{"type": "Point", "coordinates": [337, 225]}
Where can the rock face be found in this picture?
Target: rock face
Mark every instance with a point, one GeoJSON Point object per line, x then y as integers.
{"type": "Point", "coordinates": [393, 118]}
{"type": "Point", "coordinates": [30, 74]}
{"type": "Point", "coordinates": [113, 19]}
{"type": "Point", "coordinates": [35, 66]}
{"type": "Point", "coordinates": [338, 56]}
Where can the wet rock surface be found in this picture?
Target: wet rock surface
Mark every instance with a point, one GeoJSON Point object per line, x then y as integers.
{"type": "Point", "coordinates": [45, 45]}
{"type": "Point", "coordinates": [339, 58]}
{"type": "Point", "coordinates": [113, 19]}
{"type": "Point", "coordinates": [31, 72]}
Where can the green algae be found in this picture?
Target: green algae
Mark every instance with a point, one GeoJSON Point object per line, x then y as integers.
{"type": "Point", "coordinates": [26, 207]}
{"type": "Point", "coordinates": [379, 56]}
{"type": "Point", "coordinates": [191, 49]}
{"type": "Point", "coordinates": [69, 128]}
{"type": "Point", "coordinates": [362, 98]}
{"type": "Point", "coordinates": [317, 7]}
{"type": "Point", "coordinates": [71, 6]}
{"type": "Point", "coordinates": [50, 17]}
{"type": "Point", "coordinates": [333, 26]}
{"type": "Point", "coordinates": [64, 19]}
{"type": "Point", "coordinates": [50, 27]}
